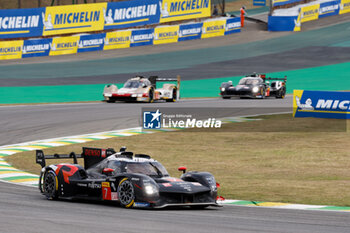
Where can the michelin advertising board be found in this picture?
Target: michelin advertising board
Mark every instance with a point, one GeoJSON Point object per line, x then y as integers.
{"type": "Point", "coordinates": [117, 39]}
{"type": "Point", "coordinates": [58, 20]}
{"type": "Point", "coordinates": [321, 104]}
{"type": "Point", "coordinates": [174, 10]}
{"type": "Point", "coordinates": [17, 23]}
{"type": "Point", "coordinates": [36, 48]}
{"type": "Point", "coordinates": [131, 13]}
{"type": "Point", "coordinates": [191, 31]}
{"type": "Point", "coordinates": [308, 13]}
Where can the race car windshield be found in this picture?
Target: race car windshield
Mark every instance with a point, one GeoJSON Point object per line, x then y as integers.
{"type": "Point", "coordinates": [147, 168]}
{"type": "Point", "coordinates": [132, 84]}
{"type": "Point", "coordinates": [247, 81]}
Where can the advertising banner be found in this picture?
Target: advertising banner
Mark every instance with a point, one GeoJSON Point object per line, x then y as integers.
{"type": "Point", "coordinates": [321, 104]}
{"type": "Point", "coordinates": [64, 45]}
{"type": "Point", "coordinates": [259, 2]}
{"type": "Point", "coordinates": [117, 40]}
{"type": "Point", "coordinates": [74, 18]}
{"type": "Point", "coordinates": [329, 9]}
{"type": "Point", "coordinates": [11, 49]}
{"type": "Point", "coordinates": [284, 2]}
{"type": "Point", "coordinates": [166, 34]}
{"type": "Point", "coordinates": [174, 10]}
{"type": "Point", "coordinates": [142, 37]}
{"type": "Point", "coordinates": [213, 28]}
{"type": "Point", "coordinates": [344, 6]}
{"type": "Point", "coordinates": [284, 23]}
{"type": "Point", "coordinates": [128, 14]}
{"type": "Point", "coordinates": [233, 25]}
{"type": "Point", "coordinates": [190, 31]}
{"type": "Point", "coordinates": [36, 48]}
{"type": "Point", "coordinates": [308, 13]}
{"type": "Point", "coordinates": [92, 42]}
{"type": "Point", "coordinates": [17, 23]}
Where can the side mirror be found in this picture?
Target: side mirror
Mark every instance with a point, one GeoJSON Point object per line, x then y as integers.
{"type": "Point", "coordinates": [183, 169]}
{"type": "Point", "coordinates": [107, 171]}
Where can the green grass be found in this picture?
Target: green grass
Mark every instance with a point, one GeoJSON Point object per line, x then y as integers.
{"type": "Point", "coordinates": [297, 165]}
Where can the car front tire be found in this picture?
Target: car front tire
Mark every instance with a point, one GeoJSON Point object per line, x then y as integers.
{"type": "Point", "coordinates": [50, 185]}
{"type": "Point", "coordinates": [126, 193]}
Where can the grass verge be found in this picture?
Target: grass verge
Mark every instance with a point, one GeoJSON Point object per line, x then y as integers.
{"type": "Point", "coordinates": [248, 161]}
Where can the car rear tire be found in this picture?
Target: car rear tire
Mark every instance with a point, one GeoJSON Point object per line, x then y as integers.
{"type": "Point", "coordinates": [126, 193]}
{"type": "Point", "coordinates": [281, 94]}
{"type": "Point", "coordinates": [174, 96]}
{"type": "Point", "coordinates": [50, 185]}
{"type": "Point", "coordinates": [226, 97]}
{"type": "Point", "coordinates": [150, 96]}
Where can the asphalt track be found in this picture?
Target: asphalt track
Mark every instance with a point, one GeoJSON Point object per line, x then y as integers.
{"type": "Point", "coordinates": [23, 209]}
{"type": "Point", "coordinates": [35, 122]}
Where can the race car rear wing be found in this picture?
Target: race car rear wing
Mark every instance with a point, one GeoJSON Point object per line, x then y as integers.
{"type": "Point", "coordinates": [263, 76]}
{"type": "Point", "coordinates": [91, 156]}
{"type": "Point", "coordinates": [155, 79]}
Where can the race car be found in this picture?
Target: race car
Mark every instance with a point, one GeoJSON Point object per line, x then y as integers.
{"type": "Point", "coordinates": [143, 89]}
{"type": "Point", "coordinates": [255, 86]}
{"type": "Point", "coordinates": [133, 180]}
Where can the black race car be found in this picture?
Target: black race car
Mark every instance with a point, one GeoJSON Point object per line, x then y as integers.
{"type": "Point", "coordinates": [255, 86]}
{"type": "Point", "coordinates": [132, 180]}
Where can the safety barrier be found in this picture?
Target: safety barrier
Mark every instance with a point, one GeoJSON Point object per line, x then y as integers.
{"type": "Point", "coordinates": [118, 39]}
{"type": "Point", "coordinates": [308, 13]}
{"type": "Point", "coordinates": [68, 19]}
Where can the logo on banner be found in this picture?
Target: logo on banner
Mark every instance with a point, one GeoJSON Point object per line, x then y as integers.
{"type": "Point", "coordinates": [306, 106]}
{"type": "Point", "coordinates": [171, 10]}
{"type": "Point", "coordinates": [152, 120]}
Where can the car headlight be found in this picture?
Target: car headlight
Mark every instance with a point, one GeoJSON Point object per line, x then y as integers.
{"type": "Point", "coordinates": [255, 89]}
{"type": "Point", "coordinates": [150, 189]}
{"type": "Point", "coordinates": [222, 89]}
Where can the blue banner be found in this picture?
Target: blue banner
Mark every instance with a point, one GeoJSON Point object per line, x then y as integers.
{"type": "Point", "coordinates": [190, 31]}
{"type": "Point", "coordinates": [128, 14]}
{"type": "Point", "coordinates": [259, 2]}
{"type": "Point", "coordinates": [36, 48]}
{"type": "Point", "coordinates": [92, 42]}
{"type": "Point", "coordinates": [329, 9]}
{"type": "Point", "coordinates": [284, 2]}
{"type": "Point", "coordinates": [17, 23]}
{"type": "Point", "coordinates": [321, 104]}
{"type": "Point", "coordinates": [142, 37]}
{"type": "Point", "coordinates": [282, 23]}
{"type": "Point", "coordinates": [233, 25]}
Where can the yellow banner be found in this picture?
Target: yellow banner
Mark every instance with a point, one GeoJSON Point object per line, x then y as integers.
{"type": "Point", "coordinates": [297, 94]}
{"type": "Point", "coordinates": [117, 40]}
{"type": "Point", "coordinates": [11, 49]}
{"type": "Point", "coordinates": [74, 18]}
{"type": "Point", "coordinates": [173, 10]}
{"type": "Point", "coordinates": [64, 45]}
{"type": "Point", "coordinates": [309, 13]}
{"type": "Point", "coordinates": [344, 7]}
{"type": "Point", "coordinates": [164, 35]}
{"type": "Point", "coordinates": [213, 28]}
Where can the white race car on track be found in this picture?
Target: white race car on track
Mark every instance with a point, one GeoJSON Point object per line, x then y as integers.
{"type": "Point", "coordinates": [142, 89]}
